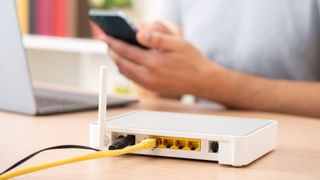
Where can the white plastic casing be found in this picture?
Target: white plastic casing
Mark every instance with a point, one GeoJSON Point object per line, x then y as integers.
{"type": "Point", "coordinates": [241, 140]}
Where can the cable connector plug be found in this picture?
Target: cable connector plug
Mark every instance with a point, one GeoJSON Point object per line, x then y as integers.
{"type": "Point", "coordinates": [122, 142]}
{"type": "Point", "coordinates": [149, 143]}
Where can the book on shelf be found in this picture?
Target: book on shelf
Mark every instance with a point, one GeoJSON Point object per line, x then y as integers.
{"type": "Point", "coordinates": [60, 8]}
{"type": "Point", "coordinates": [23, 11]}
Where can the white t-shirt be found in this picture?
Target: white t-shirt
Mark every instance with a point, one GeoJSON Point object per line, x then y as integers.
{"type": "Point", "coordinates": [270, 38]}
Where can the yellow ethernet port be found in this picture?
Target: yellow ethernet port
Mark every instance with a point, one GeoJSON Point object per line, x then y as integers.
{"type": "Point", "coordinates": [158, 141]}
{"type": "Point", "coordinates": [168, 142]}
{"type": "Point", "coordinates": [193, 145]}
{"type": "Point", "coordinates": [178, 143]}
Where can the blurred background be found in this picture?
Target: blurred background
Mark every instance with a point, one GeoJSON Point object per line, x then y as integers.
{"type": "Point", "coordinates": [60, 40]}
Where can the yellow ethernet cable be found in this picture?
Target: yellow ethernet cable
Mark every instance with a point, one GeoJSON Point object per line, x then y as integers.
{"type": "Point", "coordinates": [144, 144]}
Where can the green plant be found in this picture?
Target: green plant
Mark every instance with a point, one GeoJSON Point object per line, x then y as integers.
{"type": "Point", "coordinates": [106, 4]}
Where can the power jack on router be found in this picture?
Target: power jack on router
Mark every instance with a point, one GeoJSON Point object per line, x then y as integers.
{"type": "Point", "coordinates": [213, 146]}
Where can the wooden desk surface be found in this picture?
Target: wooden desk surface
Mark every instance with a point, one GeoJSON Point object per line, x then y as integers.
{"type": "Point", "coordinates": [296, 157]}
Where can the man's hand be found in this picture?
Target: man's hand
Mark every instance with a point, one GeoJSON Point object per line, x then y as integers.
{"type": "Point", "coordinates": [171, 67]}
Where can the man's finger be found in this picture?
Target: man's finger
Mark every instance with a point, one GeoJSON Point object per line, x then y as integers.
{"type": "Point", "coordinates": [160, 40]}
{"type": "Point", "coordinates": [128, 51]}
{"type": "Point", "coordinates": [157, 27]}
{"type": "Point", "coordinates": [129, 69]}
{"type": "Point", "coordinates": [97, 31]}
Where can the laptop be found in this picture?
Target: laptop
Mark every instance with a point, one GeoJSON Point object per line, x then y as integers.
{"type": "Point", "coordinates": [16, 91]}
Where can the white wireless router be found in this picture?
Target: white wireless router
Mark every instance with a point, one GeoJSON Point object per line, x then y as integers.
{"type": "Point", "coordinates": [227, 140]}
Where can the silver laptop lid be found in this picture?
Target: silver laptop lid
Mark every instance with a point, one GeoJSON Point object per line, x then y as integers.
{"type": "Point", "coordinates": [16, 92]}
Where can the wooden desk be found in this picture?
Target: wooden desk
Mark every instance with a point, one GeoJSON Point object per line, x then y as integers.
{"type": "Point", "coordinates": [296, 157]}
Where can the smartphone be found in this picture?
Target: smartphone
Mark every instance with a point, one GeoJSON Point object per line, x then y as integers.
{"type": "Point", "coordinates": [115, 24]}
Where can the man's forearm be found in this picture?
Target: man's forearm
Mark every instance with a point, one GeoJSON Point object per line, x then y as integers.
{"type": "Point", "coordinates": [255, 93]}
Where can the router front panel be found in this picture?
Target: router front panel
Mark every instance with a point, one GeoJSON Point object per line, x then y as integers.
{"type": "Point", "coordinates": [237, 148]}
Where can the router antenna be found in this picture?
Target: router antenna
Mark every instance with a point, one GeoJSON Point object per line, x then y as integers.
{"type": "Point", "coordinates": [102, 111]}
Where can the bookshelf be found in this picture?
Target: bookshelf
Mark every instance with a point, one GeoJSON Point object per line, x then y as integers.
{"type": "Point", "coordinates": [71, 61]}
{"type": "Point", "coordinates": [61, 51]}
{"type": "Point", "coordinates": [66, 18]}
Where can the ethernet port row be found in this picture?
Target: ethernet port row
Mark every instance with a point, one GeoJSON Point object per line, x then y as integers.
{"type": "Point", "coordinates": [177, 143]}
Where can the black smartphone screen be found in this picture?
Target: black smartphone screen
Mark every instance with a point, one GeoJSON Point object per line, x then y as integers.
{"type": "Point", "coordinates": [115, 26]}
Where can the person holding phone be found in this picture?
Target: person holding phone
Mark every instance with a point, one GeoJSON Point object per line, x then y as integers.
{"type": "Point", "coordinates": [255, 55]}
